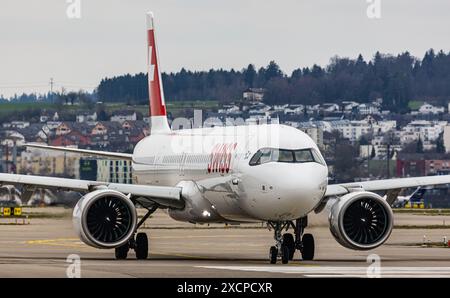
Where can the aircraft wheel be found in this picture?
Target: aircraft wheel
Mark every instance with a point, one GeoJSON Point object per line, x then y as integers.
{"type": "Point", "coordinates": [284, 254]}
{"type": "Point", "coordinates": [288, 240]}
{"type": "Point", "coordinates": [122, 251]}
{"type": "Point", "coordinates": [141, 248]}
{"type": "Point", "coordinates": [308, 247]}
{"type": "Point", "coordinates": [273, 254]}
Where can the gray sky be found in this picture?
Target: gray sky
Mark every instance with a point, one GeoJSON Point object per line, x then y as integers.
{"type": "Point", "coordinates": [39, 41]}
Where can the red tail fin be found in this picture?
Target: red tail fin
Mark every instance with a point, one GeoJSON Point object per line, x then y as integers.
{"type": "Point", "coordinates": [156, 93]}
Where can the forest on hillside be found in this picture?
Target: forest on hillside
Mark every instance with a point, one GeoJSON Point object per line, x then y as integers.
{"type": "Point", "coordinates": [397, 79]}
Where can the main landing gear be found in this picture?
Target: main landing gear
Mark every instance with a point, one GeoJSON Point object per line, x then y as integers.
{"type": "Point", "coordinates": [286, 244]}
{"type": "Point", "coordinates": [139, 242]}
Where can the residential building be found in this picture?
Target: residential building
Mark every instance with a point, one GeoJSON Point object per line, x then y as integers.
{"type": "Point", "coordinates": [253, 94]}
{"type": "Point", "coordinates": [87, 117]}
{"type": "Point", "coordinates": [124, 115]}
{"type": "Point", "coordinates": [49, 163]}
{"type": "Point", "coordinates": [427, 108]}
{"type": "Point", "coordinates": [428, 131]}
{"type": "Point", "coordinates": [368, 109]}
{"type": "Point", "coordinates": [114, 171]}
{"type": "Point", "coordinates": [447, 138]}
{"type": "Point", "coordinates": [415, 164]}
{"type": "Point", "coordinates": [16, 124]}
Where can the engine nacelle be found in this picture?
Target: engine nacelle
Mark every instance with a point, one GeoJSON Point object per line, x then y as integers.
{"type": "Point", "coordinates": [361, 220]}
{"type": "Point", "coordinates": [105, 218]}
{"type": "Point", "coordinates": [197, 209]}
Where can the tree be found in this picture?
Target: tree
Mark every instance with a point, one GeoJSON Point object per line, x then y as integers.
{"type": "Point", "coordinates": [397, 79]}
{"type": "Point", "coordinates": [440, 147]}
{"type": "Point", "coordinates": [250, 75]}
{"type": "Point", "coordinates": [272, 71]}
{"type": "Point", "coordinates": [373, 154]}
{"type": "Point", "coordinates": [72, 96]}
{"type": "Point", "coordinates": [419, 146]}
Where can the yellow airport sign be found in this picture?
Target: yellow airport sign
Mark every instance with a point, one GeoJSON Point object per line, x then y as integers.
{"type": "Point", "coordinates": [17, 211]}
{"type": "Point", "coordinates": [415, 205]}
{"type": "Point", "coordinates": [6, 211]}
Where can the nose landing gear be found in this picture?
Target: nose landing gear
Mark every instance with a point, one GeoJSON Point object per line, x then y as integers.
{"type": "Point", "coordinates": [280, 249]}
{"type": "Point", "coordinates": [286, 245]}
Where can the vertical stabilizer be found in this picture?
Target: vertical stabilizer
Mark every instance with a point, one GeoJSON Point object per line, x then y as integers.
{"type": "Point", "coordinates": [158, 116]}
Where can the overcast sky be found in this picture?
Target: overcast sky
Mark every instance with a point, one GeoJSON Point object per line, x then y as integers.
{"type": "Point", "coordinates": [38, 41]}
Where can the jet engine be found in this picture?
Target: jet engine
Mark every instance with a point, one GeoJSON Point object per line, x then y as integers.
{"type": "Point", "coordinates": [105, 218]}
{"type": "Point", "coordinates": [361, 220]}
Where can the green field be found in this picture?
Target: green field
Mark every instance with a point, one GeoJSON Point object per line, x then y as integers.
{"type": "Point", "coordinates": [176, 108]}
{"type": "Point", "coordinates": [173, 107]}
{"type": "Point", "coordinates": [20, 107]}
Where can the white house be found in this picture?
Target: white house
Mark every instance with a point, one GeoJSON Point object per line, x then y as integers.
{"type": "Point", "coordinates": [368, 109]}
{"type": "Point", "coordinates": [348, 106]}
{"type": "Point", "coordinates": [294, 110]}
{"type": "Point", "coordinates": [253, 94]}
{"type": "Point", "coordinates": [447, 138]}
{"type": "Point", "coordinates": [426, 130]}
{"type": "Point", "coordinates": [46, 117]}
{"type": "Point", "coordinates": [427, 108]}
{"type": "Point", "coordinates": [353, 130]}
{"type": "Point", "coordinates": [16, 124]}
{"type": "Point", "coordinates": [123, 115]}
{"type": "Point", "coordinates": [330, 107]}
{"type": "Point", "coordinates": [87, 117]}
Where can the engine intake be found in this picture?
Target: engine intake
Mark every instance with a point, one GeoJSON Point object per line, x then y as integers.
{"type": "Point", "coordinates": [105, 218]}
{"type": "Point", "coordinates": [361, 220]}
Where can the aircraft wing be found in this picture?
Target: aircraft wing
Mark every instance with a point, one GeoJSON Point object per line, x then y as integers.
{"type": "Point", "coordinates": [162, 195]}
{"type": "Point", "coordinates": [112, 155]}
{"type": "Point", "coordinates": [385, 184]}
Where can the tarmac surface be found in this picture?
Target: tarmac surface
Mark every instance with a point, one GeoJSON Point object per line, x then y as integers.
{"type": "Point", "coordinates": [41, 249]}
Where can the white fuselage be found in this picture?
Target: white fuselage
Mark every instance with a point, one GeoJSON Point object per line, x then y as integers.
{"type": "Point", "coordinates": [217, 161]}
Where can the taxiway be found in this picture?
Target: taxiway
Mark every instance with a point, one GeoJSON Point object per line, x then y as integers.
{"type": "Point", "coordinates": [184, 250]}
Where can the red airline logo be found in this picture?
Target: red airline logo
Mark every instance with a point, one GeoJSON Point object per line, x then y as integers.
{"type": "Point", "coordinates": [151, 68]}
{"type": "Point", "coordinates": [157, 105]}
{"type": "Point", "coordinates": [220, 158]}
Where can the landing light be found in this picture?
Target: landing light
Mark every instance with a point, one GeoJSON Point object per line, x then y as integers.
{"type": "Point", "coordinates": [206, 213]}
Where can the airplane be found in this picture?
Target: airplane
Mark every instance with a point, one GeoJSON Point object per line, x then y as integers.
{"type": "Point", "coordinates": [225, 174]}
{"type": "Point", "coordinates": [415, 197]}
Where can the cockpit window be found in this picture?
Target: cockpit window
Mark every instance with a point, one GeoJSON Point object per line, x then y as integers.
{"type": "Point", "coordinates": [256, 159]}
{"type": "Point", "coordinates": [281, 155]}
{"type": "Point", "coordinates": [304, 156]}
{"type": "Point", "coordinates": [318, 158]}
{"type": "Point", "coordinates": [266, 155]}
